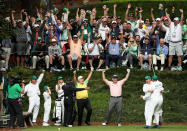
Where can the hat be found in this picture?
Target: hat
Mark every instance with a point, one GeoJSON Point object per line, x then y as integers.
{"type": "Point", "coordinates": [85, 20]}
{"type": "Point", "coordinates": [65, 10]}
{"type": "Point", "coordinates": [45, 88]}
{"type": "Point", "coordinates": [164, 18]}
{"type": "Point", "coordinates": [53, 40]}
{"type": "Point", "coordinates": [33, 78]}
{"type": "Point", "coordinates": [147, 77]}
{"type": "Point", "coordinates": [72, 20]}
{"type": "Point", "coordinates": [141, 21]}
{"type": "Point", "coordinates": [114, 22]}
{"type": "Point", "coordinates": [146, 37]}
{"type": "Point", "coordinates": [98, 37]}
{"type": "Point", "coordinates": [128, 22]}
{"type": "Point", "coordinates": [19, 21]}
{"type": "Point", "coordinates": [114, 76]}
{"type": "Point", "coordinates": [80, 77]}
{"type": "Point", "coordinates": [155, 77]}
{"type": "Point", "coordinates": [38, 19]}
{"type": "Point", "coordinates": [104, 19]}
{"type": "Point", "coordinates": [36, 25]}
{"type": "Point", "coordinates": [176, 19]}
{"type": "Point", "coordinates": [3, 69]}
{"type": "Point", "coordinates": [118, 17]}
{"type": "Point", "coordinates": [109, 16]}
{"type": "Point", "coordinates": [94, 38]}
{"type": "Point", "coordinates": [75, 36]}
{"type": "Point", "coordinates": [113, 36]}
{"type": "Point", "coordinates": [158, 19]}
{"type": "Point", "coordinates": [60, 77]}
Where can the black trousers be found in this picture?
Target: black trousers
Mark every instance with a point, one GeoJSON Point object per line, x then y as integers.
{"type": "Point", "coordinates": [74, 113]}
{"type": "Point", "coordinates": [68, 104]}
{"type": "Point", "coordinates": [15, 112]}
{"type": "Point", "coordinates": [81, 104]}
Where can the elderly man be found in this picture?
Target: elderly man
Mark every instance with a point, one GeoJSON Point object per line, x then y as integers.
{"type": "Point", "coordinates": [115, 95]}
{"type": "Point", "coordinates": [82, 98]}
{"type": "Point", "coordinates": [161, 53]}
{"type": "Point", "coordinates": [175, 41]}
{"type": "Point", "coordinates": [33, 91]}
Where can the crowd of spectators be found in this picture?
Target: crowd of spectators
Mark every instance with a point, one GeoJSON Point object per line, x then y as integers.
{"type": "Point", "coordinates": [47, 41]}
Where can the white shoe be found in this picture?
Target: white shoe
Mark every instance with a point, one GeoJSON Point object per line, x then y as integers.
{"type": "Point", "coordinates": [77, 69]}
{"type": "Point", "coordinates": [63, 69]}
{"type": "Point", "coordinates": [156, 68]}
{"type": "Point", "coordinates": [185, 61]}
{"type": "Point", "coordinates": [71, 68]}
{"type": "Point", "coordinates": [92, 68]}
{"type": "Point", "coordinates": [162, 68]}
{"type": "Point", "coordinates": [104, 124]}
{"type": "Point", "coordinates": [124, 63]}
{"type": "Point", "coordinates": [107, 68]}
{"type": "Point", "coordinates": [70, 126]}
{"type": "Point", "coordinates": [118, 124]}
{"type": "Point", "coordinates": [45, 124]}
{"type": "Point", "coordinates": [57, 124]}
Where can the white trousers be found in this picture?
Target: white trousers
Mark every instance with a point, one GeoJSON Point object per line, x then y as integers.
{"type": "Point", "coordinates": [8, 51]}
{"type": "Point", "coordinates": [149, 111]}
{"type": "Point", "coordinates": [59, 111]}
{"type": "Point", "coordinates": [34, 106]}
{"type": "Point", "coordinates": [158, 110]}
{"type": "Point", "coordinates": [161, 57]}
{"type": "Point", "coordinates": [47, 109]}
{"type": "Point", "coordinates": [36, 58]}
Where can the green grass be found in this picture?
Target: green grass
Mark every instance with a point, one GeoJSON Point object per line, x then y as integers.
{"type": "Point", "coordinates": [108, 128]}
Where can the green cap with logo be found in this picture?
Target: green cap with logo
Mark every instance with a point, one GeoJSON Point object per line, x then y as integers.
{"type": "Point", "coordinates": [38, 19]}
{"type": "Point", "coordinates": [45, 88]}
{"type": "Point", "coordinates": [60, 77]}
{"type": "Point", "coordinates": [33, 78]}
{"type": "Point", "coordinates": [147, 77]}
{"type": "Point", "coordinates": [155, 77]}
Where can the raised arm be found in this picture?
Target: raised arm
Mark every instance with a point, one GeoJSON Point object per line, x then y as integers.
{"type": "Point", "coordinates": [12, 18]}
{"type": "Point", "coordinates": [104, 78]}
{"type": "Point", "coordinates": [127, 11]}
{"type": "Point", "coordinates": [75, 76]}
{"type": "Point", "coordinates": [39, 80]}
{"type": "Point", "coordinates": [152, 15]}
{"type": "Point", "coordinates": [89, 76]}
{"type": "Point", "coordinates": [114, 11]}
{"type": "Point", "coordinates": [82, 33]}
{"type": "Point", "coordinates": [126, 77]}
{"type": "Point", "coordinates": [182, 16]}
{"type": "Point", "coordinates": [140, 13]}
{"type": "Point", "coordinates": [105, 10]}
{"type": "Point", "coordinates": [167, 15]}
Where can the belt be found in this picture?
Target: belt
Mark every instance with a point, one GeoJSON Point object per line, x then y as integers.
{"type": "Point", "coordinates": [175, 41]}
{"type": "Point", "coordinates": [115, 96]}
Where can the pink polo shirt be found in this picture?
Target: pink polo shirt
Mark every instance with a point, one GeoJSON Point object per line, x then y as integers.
{"type": "Point", "coordinates": [115, 88]}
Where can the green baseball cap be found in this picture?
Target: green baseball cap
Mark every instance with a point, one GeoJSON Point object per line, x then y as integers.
{"type": "Point", "coordinates": [60, 77]}
{"type": "Point", "coordinates": [45, 88]}
{"type": "Point", "coordinates": [155, 77]}
{"type": "Point", "coordinates": [33, 78]}
{"type": "Point", "coordinates": [39, 38]}
{"type": "Point", "coordinates": [147, 77]}
{"type": "Point", "coordinates": [38, 19]}
{"type": "Point", "coordinates": [65, 10]}
{"type": "Point", "coordinates": [55, 10]}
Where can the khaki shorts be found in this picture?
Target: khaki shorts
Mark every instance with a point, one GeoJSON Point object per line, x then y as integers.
{"type": "Point", "coordinates": [74, 58]}
{"type": "Point", "coordinates": [175, 49]}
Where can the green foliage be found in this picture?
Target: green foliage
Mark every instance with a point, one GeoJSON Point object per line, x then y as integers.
{"type": "Point", "coordinates": [174, 105]}
{"type": "Point", "coordinates": [6, 30]}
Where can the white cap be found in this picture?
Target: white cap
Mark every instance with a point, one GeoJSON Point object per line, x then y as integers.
{"type": "Point", "coordinates": [36, 25]}
{"type": "Point", "coordinates": [140, 21]}
{"type": "Point", "coordinates": [24, 22]}
{"type": "Point", "coordinates": [158, 19]}
{"type": "Point", "coordinates": [7, 18]}
{"type": "Point", "coordinates": [176, 18]}
{"type": "Point", "coordinates": [114, 22]}
{"type": "Point", "coordinates": [3, 69]}
{"type": "Point", "coordinates": [104, 19]}
{"type": "Point", "coordinates": [53, 40]}
{"type": "Point", "coordinates": [80, 77]}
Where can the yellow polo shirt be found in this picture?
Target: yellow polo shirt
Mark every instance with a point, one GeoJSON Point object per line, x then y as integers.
{"type": "Point", "coordinates": [82, 94]}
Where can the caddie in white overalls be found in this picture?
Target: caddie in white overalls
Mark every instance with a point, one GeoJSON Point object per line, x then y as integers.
{"type": "Point", "coordinates": [47, 105]}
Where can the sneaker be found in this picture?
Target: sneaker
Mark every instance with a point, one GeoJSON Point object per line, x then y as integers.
{"type": "Point", "coordinates": [87, 123]}
{"type": "Point", "coordinates": [185, 61]}
{"type": "Point", "coordinates": [107, 68]}
{"type": "Point", "coordinates": [147, 127]}
{"type": "Point", "coordinates": [70, 126]}
{"type": "Point", "coordinates": [71, 68]}
{"type": "Point", "coordinates": [118, 124]}
{"type": "Point", "coordinates": [92, 68]}
{"type": "Point", "coordinates": [57, 124]}
{"type": "Point", "coordinates": [104, 124]}
{"type": "Point", "coordinates": [131, 67]}
{"type": "Point", "coordinates": [156, 126]}
{"type": "Point", "coordinates": [162, 68]}
{"type": "Point", "coordinates": [63, 69]}
{"type": "Point", "coordinates": [124, 63]}
{"type": "Point", "coordinates": [45, 124]}
{"type": "Point", "coordinates": [77, 69]}
{"type": "Point", "coordinates": [156, 68]}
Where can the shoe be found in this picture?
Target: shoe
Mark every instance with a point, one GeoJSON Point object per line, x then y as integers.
{"type": "Point", "coordinates": [87, 123]}
{"type": "Point", "coordinates": [20, 128]}
{"type": "Point", "coordinates": [92, 68]}
{"type": "Point", "coordinates": [34, 123]}
{"type": "Point", "coordinates": [124, 63]}
{"type": "Point", "coordinates": [77, 69]}
{"type": "Point", "coordinates": [107, 68]}
{"type": "Point", "coordinates": [118, 124]}
{"type": "Point", "coordinates": [131, 67]}
{"type": "Point", "coordinates": [45, 124]}
{"type": "Point", "coordinates": [185, 61]}
{"type": "Point", "coordinates": [63, 69]}
{"type": "Point", "coordinates": [160, 123]}
{"type": "Point", "coordinates": [70, 126]}
{"type": "Point", "coordinates": [71, 68]}
{"type": "Point", "coordinates": [162, 68]}
{"type": "Point", "coordinates": [147, 127]}
{"type": "Point", "coordinates": [104, 124]}
{"type": "Point", "coordinates": [156, 68]}
{"type": "Point", "coordinates": [156, 126]}
{"type": "Point", "coordinates": [57, 124]}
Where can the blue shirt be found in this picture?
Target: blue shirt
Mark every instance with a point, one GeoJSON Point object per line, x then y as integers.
{"type": "Point", "coordinates": [163, 49]}
{"type": "Point", "coordinates": [114, 49]}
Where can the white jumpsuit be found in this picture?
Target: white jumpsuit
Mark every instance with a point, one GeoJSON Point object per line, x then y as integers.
{"type": "Point", "coordinates": [47, 106]}
{"type": "Point", "coordinates": [148, 104]}
{"type": "Point", "coordinates": [157, 100]}
{"type": "Point", "coordinates": [59, 105]}
{"type": "Point", "coordinates": [33, 93]}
